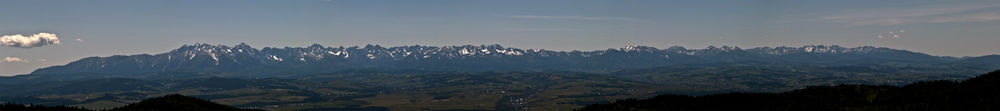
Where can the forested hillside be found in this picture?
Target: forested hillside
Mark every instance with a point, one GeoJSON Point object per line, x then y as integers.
{"type": "Point", "coordinates": [166, 103]}
{"type": "Point", "coordinates": [976, 94]}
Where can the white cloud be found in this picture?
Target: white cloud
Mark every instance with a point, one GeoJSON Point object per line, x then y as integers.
{"type": "Point", "coordinates": [571, 17]}
{"type": "Point", "coordinates": [893, 34]}
{"type": "Point", "coordinates": [36, 40]}
{"type": "Point", "coordinates": [13, 60]}
{"type": "Point", "coordinates": [917, 14]}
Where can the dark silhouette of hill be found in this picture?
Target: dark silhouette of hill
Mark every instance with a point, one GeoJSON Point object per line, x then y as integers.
{"type": "Point", "coordinates": [177, 102]}
{"type": "Point", "coordinates": [981, 93]}
{"type": "Point", "coordinates": [173, 102]}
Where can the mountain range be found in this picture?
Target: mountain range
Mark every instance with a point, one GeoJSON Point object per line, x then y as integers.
{"type": "Point", "coordinates": [245, 61]}
{"type": "Point", "coordinates": [484, 77]}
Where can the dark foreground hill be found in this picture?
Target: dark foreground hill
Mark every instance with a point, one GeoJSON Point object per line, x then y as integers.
{"type": "Point", "coordinates": [166, 103]}
{"type": "Point", "coordinates": [977, 94]}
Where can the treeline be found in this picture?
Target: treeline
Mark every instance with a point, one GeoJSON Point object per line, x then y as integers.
{"type": "Point", "coordinates": [21, 107]}
{"type": "Point", "coordinates": [981, 93]}
{"type": "Point", "coordinates": [173, 102]}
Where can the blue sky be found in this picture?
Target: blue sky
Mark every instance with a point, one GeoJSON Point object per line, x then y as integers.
{"type": "Point", "coordinates": [127, 27]}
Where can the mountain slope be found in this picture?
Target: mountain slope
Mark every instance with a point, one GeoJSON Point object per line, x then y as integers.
{"type": "Point", "coordinates": [979, 93]}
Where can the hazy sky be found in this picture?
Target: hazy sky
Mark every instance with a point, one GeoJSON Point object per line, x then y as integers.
{"type": "Point", "coordinates": [126, 27]}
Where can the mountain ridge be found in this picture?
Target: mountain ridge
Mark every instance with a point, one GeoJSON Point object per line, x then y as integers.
{"type": "Point", "coordinates": [244, 59]}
